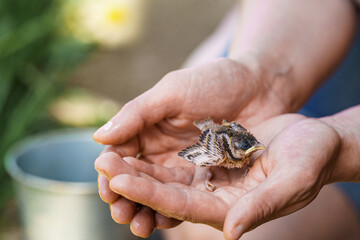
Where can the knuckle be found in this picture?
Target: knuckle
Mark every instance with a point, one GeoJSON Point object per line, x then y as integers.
{"type": "Point", "coordinates": [263, 210]}
{"type": "Point", "coordinates": [116, 216]}
{"type": "Point", "coordinates": [131, 161]}
{"type": "Point", "coordinates": [109, 156]}
{"type": "Point", "coordinates": [173, 75]}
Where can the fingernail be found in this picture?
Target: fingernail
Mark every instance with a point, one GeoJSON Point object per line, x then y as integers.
{"type": "Point", "coordinates": [106, 127]}
{"type": "Point", "coordinates": [103, 129]}
{"type": "Point", "coordinates": [103, 174]}
{"type": "Point", "coordinates": [102, 181]}
{"type": "Point", "coordinates": [238, 231]}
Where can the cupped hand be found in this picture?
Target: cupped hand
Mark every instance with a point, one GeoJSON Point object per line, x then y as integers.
{"type": "Point", "coordinates": [159, 123]}
{"type": "Point", "coordinates": [221, 89]}
{"type": "Point", "coordinates": [288, 175]}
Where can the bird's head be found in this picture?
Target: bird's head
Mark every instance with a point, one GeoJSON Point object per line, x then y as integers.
{"type": "Point", "coordinates": [243, 144]}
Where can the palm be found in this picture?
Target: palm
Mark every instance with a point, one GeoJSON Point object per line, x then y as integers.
{"type": "Point", "coordinates": [284, 172]}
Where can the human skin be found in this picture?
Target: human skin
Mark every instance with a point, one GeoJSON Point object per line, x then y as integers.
{"type": "Point", "coordinates": [261, 79]}
{"type": "Point", "coordinates": [161, 121]}
{"type": "Point", "coordinates": [302, 156]}
{"type": "Point", "coordinates": [330, 216]}
{"type": "Point", "coordinates": [162, 124]}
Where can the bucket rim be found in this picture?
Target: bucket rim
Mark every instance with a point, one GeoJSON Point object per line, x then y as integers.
{"type": "Point", "coordinates": [44, 184]}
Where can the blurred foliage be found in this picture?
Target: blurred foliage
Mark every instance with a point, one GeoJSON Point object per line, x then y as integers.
{"type": "Point", "coordinates": [107, 23]}
{"type": "Point", "coordinates": [77, 107]}
{"type": "Point", "coordinates": [36, 57]}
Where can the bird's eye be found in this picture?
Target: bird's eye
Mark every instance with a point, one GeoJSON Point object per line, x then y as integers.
{"type": "Point", "coordinates": [243, 144]}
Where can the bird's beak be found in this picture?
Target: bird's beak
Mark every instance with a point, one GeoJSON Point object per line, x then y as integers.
{"type": "Point", "coordinates": [258, 146]}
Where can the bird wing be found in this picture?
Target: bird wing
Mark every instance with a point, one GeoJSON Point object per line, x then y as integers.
{"type": "Point", "coordinates": [205, 124]}
{"type": "Point", "coordinates": [206, 152]}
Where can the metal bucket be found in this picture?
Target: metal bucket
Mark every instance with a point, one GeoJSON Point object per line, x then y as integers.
{"type": "Point", "coordinates": [57, 191]}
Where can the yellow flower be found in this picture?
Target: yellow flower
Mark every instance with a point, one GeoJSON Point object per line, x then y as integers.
{"type": "Point", "coordinates": [110, 23]}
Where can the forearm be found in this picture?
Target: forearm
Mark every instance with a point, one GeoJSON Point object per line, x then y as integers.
{"type": "Point", "coordinates": [296, 43]}
{"type": "Point", "coordinates": [347, 163]}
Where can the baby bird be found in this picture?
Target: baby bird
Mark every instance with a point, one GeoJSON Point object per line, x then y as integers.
{"type": "Point", "coordinates": [227, 145]}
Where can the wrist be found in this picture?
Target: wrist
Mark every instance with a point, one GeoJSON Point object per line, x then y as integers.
{"type": "Point", "coordinates": [347, 164]}
{"type": "Point", "coordinates": [275, 78]}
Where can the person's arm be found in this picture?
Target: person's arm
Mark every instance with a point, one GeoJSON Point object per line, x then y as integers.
{"type": "Point", "coordinates": [281, 51]}
{"type": "Point", "coordinates": [298, 43]}
{"type": "Point", "coordinates": [347, 124]}
{"type": "Point", "coordinates": [262, 80]}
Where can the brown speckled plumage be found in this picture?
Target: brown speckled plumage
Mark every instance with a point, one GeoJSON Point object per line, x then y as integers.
{"type": "Point", "coordinates": [228, 145]}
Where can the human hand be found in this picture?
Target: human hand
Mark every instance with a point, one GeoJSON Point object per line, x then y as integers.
{"type": "Point", "coordinates": [159, 122]}
{"type": "Point", "coordinates": [285, 178]}
{"type": "Point", "coordinates": [220, 89]}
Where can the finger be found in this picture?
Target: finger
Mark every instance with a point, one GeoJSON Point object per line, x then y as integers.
{"type": "Point", "coordinates": [163, 222]}
{"type": "Point", "coordinates": [268, 201]}
{"type": "Point", "coordinates": [182, 175]}
{"type": "Point", "coordinates": [111, 164]}
{"type": "Point", "coordinates": [145, 110]}
{"type": "Point", "coordinates": [130, 148]}
{"type": "Point", "coordinates": [143, 223]}
{"type": "Point", "coordinates": [243, 215]}
{"type": "Point", "coordinates": [123, 210]}
{"type": "Point", "coordinates": [180, 201]}
{"type": "Point", "coordinates": [105, 192]}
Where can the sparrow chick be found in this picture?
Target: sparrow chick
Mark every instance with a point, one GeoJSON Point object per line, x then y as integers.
{"type": "Point", "coordinates": [227, 145]}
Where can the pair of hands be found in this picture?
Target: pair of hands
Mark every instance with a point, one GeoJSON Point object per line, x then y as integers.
{"type": "Point", "coordinates": [287, 176]}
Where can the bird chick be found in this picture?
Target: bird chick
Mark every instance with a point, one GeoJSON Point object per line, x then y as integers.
{"type": "Point", "coordinates": [227, 145]}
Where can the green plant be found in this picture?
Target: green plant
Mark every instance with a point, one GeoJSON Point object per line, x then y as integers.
{"type": "Point", "coordinates": [36, 58]}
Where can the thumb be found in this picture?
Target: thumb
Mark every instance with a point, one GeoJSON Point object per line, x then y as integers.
{"type": "Point", "coordinates": [252, 209]}
{"type": "Point", "coordinates": [147, 109]}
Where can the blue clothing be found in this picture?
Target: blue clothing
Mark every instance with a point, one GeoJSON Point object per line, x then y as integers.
{"type": "Point", "coordinates": [341, 91]}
